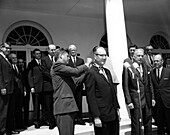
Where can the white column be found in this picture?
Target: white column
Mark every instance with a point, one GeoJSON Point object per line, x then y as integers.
{"type": "Point", "coordinates": [117, 44]}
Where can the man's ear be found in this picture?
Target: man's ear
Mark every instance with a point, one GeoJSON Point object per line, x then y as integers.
{"type": "Point", "coordinates": [60, 56]}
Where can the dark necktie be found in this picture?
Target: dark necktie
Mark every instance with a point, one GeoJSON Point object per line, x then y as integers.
{"type": "Point", "coordinates": [150, 57]}
{"type": "Point", "coordinates": [158, 73]}
{"type": "Point", "coordinates": [52, 59]}
{"type": "Point", "coordinates": [39, 62]}
{"type": "Point", "coordinates": [74, 61]}
{"type": "Point", "coordinates": [102, 71]}
{"type": "Point", "coordinates": [140, 70]}
{"type": "Point", "coordinates": [15, 69]}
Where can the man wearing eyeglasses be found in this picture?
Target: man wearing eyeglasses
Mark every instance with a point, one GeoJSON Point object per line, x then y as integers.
{"type": "Point", "coordinates": [101, 96]}
{"type": "Point", "coordinates": [6, 84]}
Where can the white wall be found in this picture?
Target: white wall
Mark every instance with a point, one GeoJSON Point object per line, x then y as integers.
{"type": "Point", "coordinates": [84, 32]}
{"type": "Point", "coordinates": [141, 34]}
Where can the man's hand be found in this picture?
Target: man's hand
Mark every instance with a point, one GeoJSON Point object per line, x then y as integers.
{"type": "Point", "coordinates": [88, 62]}
{"type": "Point", "coordinates": [130, 106]}
{"type": "Point", "coordinates": [153, 102]}
{"type": "Point", "coordinates": [97, 122]}
{"type": "Point", "coordinates": [32, 90]}
{"type": "Point", "coordinates": [3, 91]}
{"type": "Point", "coordinates": [118, 112]}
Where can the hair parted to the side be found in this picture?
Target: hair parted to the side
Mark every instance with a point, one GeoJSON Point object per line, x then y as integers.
{"type": "Point", "coordinates": [36, 49]}
{"type": "Point", "coordinates": [3, 44]}
{"type": "Point", "coordinates": [59, 52]}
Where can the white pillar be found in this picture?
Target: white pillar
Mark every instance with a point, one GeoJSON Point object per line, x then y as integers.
{"type": "Point", "coordinates": [117, 44]}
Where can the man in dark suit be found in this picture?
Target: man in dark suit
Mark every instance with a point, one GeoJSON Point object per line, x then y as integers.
{"type": "Point", "coordinates": [15, 116]}
{"type": "Point", "coordinates": [148, 57]}
{"type": "Point", "coordinates": [101, 96]}
{"type": "Point", "coordinates": [75, 61]}
{"type": "Point", "coordinates": [131, 50]}
{"type": "Point", "coordinates": [47, 62]}
{"type": "Point", "coordinates": [161, 83]}
{"type": "Point", "coordinates": [35, 80]}
{"type": "Point", "coordinates": [138, 92]}
{"type": "Point", "coordinates": [26, 99]}
{"type": "Point", "coordinates": [6, 84]}
{"type": "Point", "coordinates": [65, 105]}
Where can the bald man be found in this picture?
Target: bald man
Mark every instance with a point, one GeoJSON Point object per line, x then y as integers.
{"type": "Point", "coordinates": [46, 64]}
{"type": "Point", "coordinates": [75, 61]}
{"type": "Point", "coordinates": [138, 92]}
{"type": "Point", "coordinates": [160, 77]}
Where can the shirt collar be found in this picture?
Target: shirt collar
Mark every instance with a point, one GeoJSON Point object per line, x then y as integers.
{"type": "Point", "coordinates": [3, 55]}
{"type": "Point", "coordinates": [99, 67]}
{"type": "Point", "coordinates": [160, 69]}
{"type": "Point", "coordinates": [37, 61]}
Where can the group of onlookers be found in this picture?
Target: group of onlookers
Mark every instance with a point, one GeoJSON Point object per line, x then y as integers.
{"type": "Point", "coordinates": [57, 80]}
{"type": "Point", "coordinates": [17, 82]}
{"type": "Point", "coordinates": [146, 86]}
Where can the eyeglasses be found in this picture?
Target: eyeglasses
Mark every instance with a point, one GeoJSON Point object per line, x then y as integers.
{"type": "Point", "coordinates": [14, 58]}
{"type": "Point", "coordinates": [101, 55]}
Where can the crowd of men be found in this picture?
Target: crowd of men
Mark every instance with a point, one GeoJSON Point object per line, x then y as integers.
{"type": "Point", "coordinates": [56, 82]}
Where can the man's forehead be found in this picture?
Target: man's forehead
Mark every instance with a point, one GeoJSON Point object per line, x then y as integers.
{"type": "Point", "coordinates": [139, 52]}
{"type": "Point", "coordinates": [101, 51]}
{"type": "Point", "coordinates": [157, 57]}
{"type": "Point", "coordinates": [52, 46]}
{"type": "Point", "coordinates": [6, 45]}
{"type": "Point", "coordinates": [149, 47]}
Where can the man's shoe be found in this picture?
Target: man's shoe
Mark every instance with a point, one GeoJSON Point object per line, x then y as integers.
{"type": "Point", "coordinates": [51, 126]}
{"type": "Point", "coordinates": [21, 129]}
{"type": "Point", "coordinates": [45, 123]}
{"type": "Point", "coordinates": [79, 121]}
{"type": "Point", "coordinates": [12, 132]}
{"type": "Point", "coordinates": [36, 125]}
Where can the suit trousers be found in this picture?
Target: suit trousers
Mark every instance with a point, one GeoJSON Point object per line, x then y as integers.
{"type": "Point", "coordinates": [4, 102]}
{"type": "Point", "coordinates": [14, 114]}
{"type": "Point", "coordinates": [163, 117]}
{"type": "Point", "coordinates": [146, 121]}
{"type": "Point", "coordinates": [48, 107]}
{"type": "Point", "coordinates": [108, 128]}
{"type": "Point", "coordinates": [26, 108]}
{"type": "Point", "coordinates": [37, 100]}
{"type": "Point", "coordinates": [18, 114]}
{"type": "Point", "coordinates": [78, 98]}
{"type": "Point", "coordinates": [65, 123]}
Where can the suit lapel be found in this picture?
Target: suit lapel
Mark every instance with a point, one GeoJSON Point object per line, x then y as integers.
{"type": "Point", "coordinates": [145, 73]}
{"type": "Point", "coordinates": [108, 76]}
{"type": "Point", "coordinates": [162, 74]}
{"type": "Point", "coordinates": [6, 60]}
{"type": "Point", "coordinates": [97, 70]}
{"type": "Point", "coordinates": [155, 76]}
{"type": "Point", "coordinates": [71, 62]}
{"type": "Point", "coordinates": [49, 61]}
{"type": "Point", "coordinates": [137, 73]}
